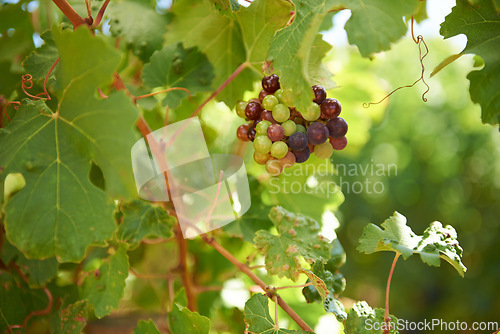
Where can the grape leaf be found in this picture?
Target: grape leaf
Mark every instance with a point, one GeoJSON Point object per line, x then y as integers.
{"type": "Point", "coordinates": [337, 256]}
{"type": "Point", "coordinates": [437, 242]}
{"type": "Point", "coordinates": [360, 313]}
{"type": "Point", "coordinates": [297, 236]}
{"type": "Point", "coordinates": [258, 320]}
{"type": "Point", "coordinates": [104, 287]}
{"type": "Point", "coordinates": [229, 43]}
{"type": "Point", "coordinates": [480, 22]}
{"type": "Point", "coordinates": [141, 219]}
{"type": "Point", "coordinates": [317, 283]}
{"type": "Point", "coordinates": [440, 242]}
{"type": "Point", "coordinates": [60, 212]}
{"type": "Point", "coordinates": [143, 36]}
{"type": "Point", "coordinates": [41, 60]}
{"type": "Point", "coordinates": [146, 327]}
{"type": "Point", "coordinates": [395, 236]}
{"type": "Point", "coordinates": [71, 319]}
{"type": "Point", "coordinates": [375, 24]}
{"type": "Point", "coordinates": [174, 66]}
{"type": "Point", "coordinates": [13, 289]}
{"type": "Point", "coordinates": [18, 41]}
{"type": "Point", "coordinates": [184, 321]}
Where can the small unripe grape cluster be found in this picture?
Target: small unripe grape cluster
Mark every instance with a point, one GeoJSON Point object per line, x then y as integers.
{"type": "Point", "coordinates": [283, 135]}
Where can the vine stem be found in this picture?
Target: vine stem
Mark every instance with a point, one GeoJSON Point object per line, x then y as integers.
{"type": "Point", "coordinates": [70, 13]}
{"type": "Point", "coordinates": [246, 270]}
{"type": "Point", "coordinates": [386, 312]}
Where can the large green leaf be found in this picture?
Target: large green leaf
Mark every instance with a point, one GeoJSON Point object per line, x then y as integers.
{"type": "Point", "coordinates": [174, 66]}
{"type": "Point", "coordinates": [16, 31]}
{"type": "Point", "coordinates": [437, 242]}
{"type": "Point", "coordinates": [375, 24]}
{"type": "Point", "coordinates": [297, 235]}
{"type": "Point", "coordinates": [258, 319]}
{"type": "Point", "coordinates": [480, 22]}
{"type": "Point", "coordinates": [144, 35]}
{"type": "Point", "coordinates": [229, 43]}
{"type": "Point", "coordinates": [141, 220]}
{"type": "Point", "coordinates": [104, 287]}
{"type": "Point", "coordinates": [60, 212]}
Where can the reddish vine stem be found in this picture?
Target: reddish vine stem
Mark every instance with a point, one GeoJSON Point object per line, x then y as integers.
{"type": "Point", "coordinates": [187, 281]}
{"type": "Point", "coordinates": [386, 312]}
{"type": "Point", "coordinates": [100, 15]}
{"type": "Point", "coordinates": [75, 19]}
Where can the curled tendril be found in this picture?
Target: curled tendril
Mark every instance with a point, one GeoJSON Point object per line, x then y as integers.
{"type": "Point", "coordinates": [15, 105]}
{"type": "Point", "coordinates": [419, 40]}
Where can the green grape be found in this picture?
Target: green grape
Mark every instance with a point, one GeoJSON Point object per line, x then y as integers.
{"type": "Point", "coordinates": [281, 113]}
{"type": "Point", "coordinates": [288, 98]}
{"type": "Point", "coordinates": [240, 108]}
{"type": "Point", "coordinates": [279, 95]}
{"type": "Point", "coordinates": [323, 151]}
{"type": "Point", "coordinates": [301, 129]}
{"type": "Point", "coordinates": [274, 167]}
{"type": "Point", "coordinates": [312, 112]}
{"type": "Point", "coordinates": [260, 158]}
{"type": "Point", "coordinates": [262, 127]}
{"type": "Point", "coordinates": [289, 127]}
{"type": "Point", "coordinates": [262, 144]}
{"type": "Point", "coordinates": [269, 102]}
{"type": "Point", "coordinates": [279, 149]}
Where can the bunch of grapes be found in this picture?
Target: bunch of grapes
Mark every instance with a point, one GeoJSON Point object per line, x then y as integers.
{"type": "Point", "coordinates": [282, 135]}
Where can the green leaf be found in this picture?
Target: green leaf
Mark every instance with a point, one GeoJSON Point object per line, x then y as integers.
{"type": "Point", "coordinates": [60, 212]}
{"type": "Point", "coordinates": [41, 60]}
{"type": "Point", "coordinates": [317, 283]}
{"type": "Point", "coordinates": [141, 220]}
{"type": "Point", "coordinates": [71, 319]}
{"type": "Point", "coordinates": [143, 36]}
{"type": "Point", "coordinates": [19, 41]}
{"type": "Point", "coordinates": [258, 319]}
{"type": "Point", "coordinates": [440, 242]}
{"type": "Point", "coordinates": [337, 256]}
{"type": "Point", "coordinates": [13, 289]}
{"type": "Point", "coordinates": [104, 287]}
{"type": "Point", "coordinates": [146, 327]}
{"type": "Point", "coordinates": [480, 22]}
{"type": "Point", "coordinates": [183, 321]}
{"type": "Point", "coordinates": [375, 24]}
{"type": "Point", "coordinates": [229, 43]}
{"type": "Point", "coordinates": [298, 235]}
{"type": "Point", "coordinates": [361, 317]}
{"type": "Point", "coordinates": [174, 66]}
{"type": "Point", "coordinates": [395, 236]}
{"type": "Point", "coordinates": [437, 242]}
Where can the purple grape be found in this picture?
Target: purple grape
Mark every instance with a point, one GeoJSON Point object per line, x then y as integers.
{"type": "Point", "coordinates": [330, 108]}
{"type": "Point", "coordinates": [317, 133]}
{"type": "Point", "coordinates": [253, 110]}
{"type": "Point", "coordinates": [275, 132]}
{"type": "Point", "coordinates": [337, 127]}
{"type": "Point", "coordinates": [268, 116]}
{"type": "Point", "coordinates": [338, 143]}
{"type": "Point", "coordinates": [319, 94]}
{"type": "Point", "coordinates": [271, 83]}
{"type": "Point", "coordinates": [302, 156]}
{"type": "Point", "coordinates": [297, 141]}
{"type": "Point", "coordinates": [251, 134]}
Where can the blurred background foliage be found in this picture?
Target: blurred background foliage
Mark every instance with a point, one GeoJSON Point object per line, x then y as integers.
{"type": "Point", "coordinates": [448, 169]}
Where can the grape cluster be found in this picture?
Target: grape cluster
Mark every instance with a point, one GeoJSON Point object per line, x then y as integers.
{"type": "Point", "coordinates": [282, 135]}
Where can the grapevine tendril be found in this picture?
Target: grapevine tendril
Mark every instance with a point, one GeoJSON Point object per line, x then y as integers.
{"type": "Point", "coordinates": [419, 40]}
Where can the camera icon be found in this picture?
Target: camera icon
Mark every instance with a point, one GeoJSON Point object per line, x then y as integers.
{"type": "Point", "coordinates": [207, 191]}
